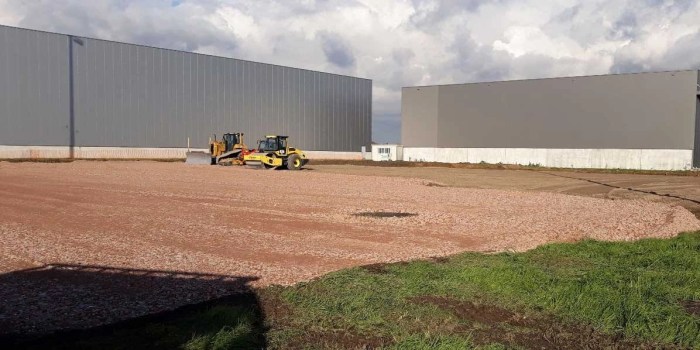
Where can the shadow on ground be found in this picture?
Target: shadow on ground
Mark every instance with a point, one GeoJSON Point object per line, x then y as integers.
{"type": "Point", "coordinates": [77, 302]}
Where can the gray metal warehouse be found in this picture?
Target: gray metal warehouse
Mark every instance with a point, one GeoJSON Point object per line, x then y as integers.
{"type": "Point", "coordinates": [627, 121]}
{"type": "Point", "coordinates": [92, 98]}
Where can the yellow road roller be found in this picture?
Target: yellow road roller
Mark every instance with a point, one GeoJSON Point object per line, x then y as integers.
{"type": "Point", "coordinates": [274, 152]}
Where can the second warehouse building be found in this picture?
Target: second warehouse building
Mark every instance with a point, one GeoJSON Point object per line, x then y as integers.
{"type": "Point", "coordinates": [627, 121]}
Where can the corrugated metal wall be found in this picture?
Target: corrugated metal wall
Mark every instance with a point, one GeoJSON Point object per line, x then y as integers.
{"type": "Point", "coordinates": [33, 88]}
{"type": "Point", "coordinates": [136, 96]}
{"type": "Point", "coordinates": [625, 111]}
{"type": "Point", "coordinates": [419, 113]}
{"type": "Point", "coordinates": [696, 150]}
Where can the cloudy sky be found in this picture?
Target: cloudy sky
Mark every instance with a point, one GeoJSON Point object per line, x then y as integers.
{"type": "Point", "coordinates": [397, 43]}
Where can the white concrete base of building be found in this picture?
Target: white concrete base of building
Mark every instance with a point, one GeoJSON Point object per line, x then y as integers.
{"type": "Point", "coordinates": [58, 152]}
{"type": "Point", "coordinates": [641, 159]}
{"type": "Point", "coordinates": [333, 155]}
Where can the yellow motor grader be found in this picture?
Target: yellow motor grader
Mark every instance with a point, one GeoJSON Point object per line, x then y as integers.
{"type": "Point", "coordinates": [274, 152]}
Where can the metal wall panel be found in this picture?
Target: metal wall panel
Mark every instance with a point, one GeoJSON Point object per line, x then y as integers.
{"type": "Point", "coordinates": [33, 88]}
{"type": "Point", "coordinates": [628, 111]}
{"type": "Point", "coordinates": [136, 96]}
{"type": "Point", "coordinates": [419, 116]}
{"type": "Point", "coordinates": [696, 150]}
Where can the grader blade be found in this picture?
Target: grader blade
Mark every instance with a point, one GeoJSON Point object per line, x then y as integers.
{"type": "Point", "coordinates": [200, 158]}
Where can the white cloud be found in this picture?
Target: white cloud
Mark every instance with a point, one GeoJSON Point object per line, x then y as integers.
{"type": "Point", "coordinates": [397, 43]}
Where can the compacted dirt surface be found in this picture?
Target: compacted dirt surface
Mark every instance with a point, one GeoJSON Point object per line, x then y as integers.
{"type": "Point", "coordinates": [89, 243]}
{"type": "Point", "coordinates": [671, 189]}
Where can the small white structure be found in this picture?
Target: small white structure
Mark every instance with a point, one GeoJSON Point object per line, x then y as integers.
{"type": "Point", "coordinates": [385, 153]}
{"type": "Point", "coordinates": [366, 155]}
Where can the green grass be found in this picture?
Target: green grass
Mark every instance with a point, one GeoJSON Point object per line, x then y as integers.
{"type": "Point", "coordinates": [221, 325]}
{"type": "Point", "coordinates": [629, 290]}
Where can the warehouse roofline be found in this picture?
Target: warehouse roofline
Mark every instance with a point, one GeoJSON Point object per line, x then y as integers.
{"type": "Point", "coordinates": [183, 51]}
{"type": "Point", "coordinates": [554, 78]}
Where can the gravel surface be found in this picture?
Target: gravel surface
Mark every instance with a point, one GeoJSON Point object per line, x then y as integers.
{"type": "Point", "coordinates": [671, 189]}
{"type": "Point", "coordinates": [100, 236]}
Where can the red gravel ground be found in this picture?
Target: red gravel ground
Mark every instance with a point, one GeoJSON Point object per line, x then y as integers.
{"type": "Point", "coordinates": [211, 225]}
